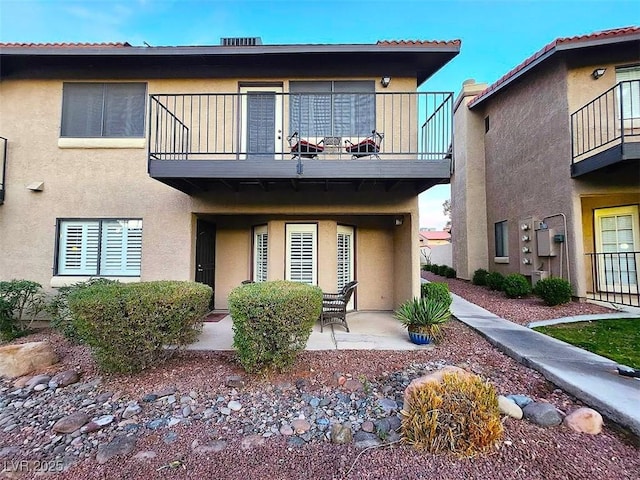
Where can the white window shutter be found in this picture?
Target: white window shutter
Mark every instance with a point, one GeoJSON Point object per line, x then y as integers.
{"type": "Point", "coordinates": [345, 259]}
{"type": "Point", "coordinates": [260, 246]}
{"type": "Point", "coordinates": [121, 247]}
{"type": "Point", "coordinates": [301, 261]}
{"type": "Point", "coordinates": [78, 250]}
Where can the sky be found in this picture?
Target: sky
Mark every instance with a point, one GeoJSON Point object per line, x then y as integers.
{"type": "Point", "coordinates": [496, 35]}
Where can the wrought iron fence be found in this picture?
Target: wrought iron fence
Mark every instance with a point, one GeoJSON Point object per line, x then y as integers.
{"type": "Point", "coordinates": [416, 125]}
{"type": "Point", "coordinates": [614, 277]}
{"type": "Point", "coordinates": [611, 119]}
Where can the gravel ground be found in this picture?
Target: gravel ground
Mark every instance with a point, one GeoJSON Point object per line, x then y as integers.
{"type": "Point", "coordinates": [518, 310]}
{"type": "Point", "coordinates": [527, 451]}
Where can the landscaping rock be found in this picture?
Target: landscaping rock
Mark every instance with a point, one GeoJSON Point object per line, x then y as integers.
{"type": "Point", "coordinates": [234, 406]}
{"type": "Point", "coordinates": [388, 405]}
{"type": "Point", "coordinates": [353, 385]}
{"type": "Point", "coordinates": [520, 400]}
{"type": "Point", "coordinates": [584, 420]}
{"type": "Point", "coordinates": [368, 426]}
{"type": "Point", "coordinates": [341, 433]}
{"type": "Point", "coordinates": [212, 447]}
{"type": "Point", "coordinates": [145, 455]}
{"type": "Point", "coordinates": [300, 425]}
{"type": "Point", "coordinates": [150, 397]}
{"type": "Point", "coordinates": [234, 381]}
{"type": "Point", "coordinates": [252, 441]}
{"type": "Point", "coordinates": [365, 440]}
{"type": "Point", "coordinates": [509, 407]}
{"type": "Point", "coordinates": [21, 359]}
{"type": "Point", "coordinates": [118, 446]}
{"type": "Point", "coordinates": [543, 414]}
{"type": "Point", "coordinates": [131, 410]}
{"type": "Point", "coordinates": [286, 430]}
{"type": "Point", "coordinates": [64, 379]}
{"type": "Point", "coordinates": [71, 423]}
{"type": "Point", "coordinates": [37, 380]}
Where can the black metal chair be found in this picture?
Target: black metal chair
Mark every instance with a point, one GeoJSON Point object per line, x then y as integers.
{"type": "Point", "coordinates": [334, 306]}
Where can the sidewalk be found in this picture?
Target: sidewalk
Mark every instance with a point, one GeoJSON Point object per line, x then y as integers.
{"type": "Point", "coordinates": [588, 377]}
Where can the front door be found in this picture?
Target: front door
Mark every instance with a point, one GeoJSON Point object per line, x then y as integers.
{"type": "Point", "coordinates": [261, 135]}
{"type": "Point", "coordinates": [206, 254]}
{"type": "Point", "coordinates": [617, 246]}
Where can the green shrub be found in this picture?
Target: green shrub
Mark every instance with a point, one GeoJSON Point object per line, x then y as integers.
{"type": "Point", "coordinates": [437, 291]}
{"type": "Point", "coordinates": [434, 268]}
{"type": "Point", "coordinates": [554, 291]}
{"type": "Point", "coordinates": [132, 326]}
{"type": "Point", "coordinates": [495, 280]}
{"type": "Point", "coordinates": [442, 270]}
{"type": "Point", "coordinates": [479, 277]}
{"type": "Point", "coordinates": [458, 414]}
{"type": "Point", "coordinates": [61, 317]}
{"type": "Point", "coordinates": [22, 301]}
{"type": "Point", "coordinates": [425, 267]}
{"type": "Point", "coordinates": [450, 272]}
{"type": "Point", "coordinates": [272, 322]}
{"type": "Point", "coordinates": [516, 285]}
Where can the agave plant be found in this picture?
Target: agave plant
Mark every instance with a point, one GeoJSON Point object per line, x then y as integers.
{"type": "Point", "coordinates": [424, 315]}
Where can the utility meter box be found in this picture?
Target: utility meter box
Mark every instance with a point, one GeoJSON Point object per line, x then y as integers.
{"type": "Point", "coordinates": [527, 250]}
{"type": "Point", "coordinates": [544, 242]}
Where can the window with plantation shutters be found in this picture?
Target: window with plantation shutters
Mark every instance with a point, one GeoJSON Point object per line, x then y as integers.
{"type": "Point", "coordinates": [100, 247]}
{"type": "Point", "coordinates": [301, 259]}
{"type": "Point", "coordinates": [345, 258]}
{"type": "Point", "coordinates": [114, 110]}
{"type": "Point", "coordinates": [630, 92]}
{"type": "Point", "coordinates": [260, 245]}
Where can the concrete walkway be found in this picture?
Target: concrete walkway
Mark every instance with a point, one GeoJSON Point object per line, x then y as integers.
{"type": "Point", "coordinates": [587, 376]}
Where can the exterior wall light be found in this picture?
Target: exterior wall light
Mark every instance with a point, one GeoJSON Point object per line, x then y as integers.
{"type": "Point", "coordinates": [385, 81]}
{"type": "Point", "coordinates": [598, 72]}
{"type": "Point", "coordinates": [399, 221]}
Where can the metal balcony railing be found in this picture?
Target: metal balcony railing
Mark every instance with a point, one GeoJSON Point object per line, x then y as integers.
{"type": "Point", "coordinates": [614, 277]}
{"type": "Point", "coordinates": [613, 118]}
{"type": "Point", "coordinates": [225, 126]}
{"type": "Point", "coordinates": [3, 167]}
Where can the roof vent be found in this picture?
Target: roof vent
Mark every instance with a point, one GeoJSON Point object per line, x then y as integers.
{"type": "Point", "coordinates": [240, 41]}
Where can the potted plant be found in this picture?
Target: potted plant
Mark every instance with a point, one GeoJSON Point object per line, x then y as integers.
{"type": "Point", "coordinates": [423, 318]}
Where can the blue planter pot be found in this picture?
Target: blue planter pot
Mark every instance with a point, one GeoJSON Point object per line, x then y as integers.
{"type": "Point", "coordinates": [419, 338]}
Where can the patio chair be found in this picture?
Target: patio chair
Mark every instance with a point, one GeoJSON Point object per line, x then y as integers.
{"type": "Point", "coordinates": [334, 306]}
{"type": "Point", "coordinates": [369, 146]}
{"type": "Point", "coordinates": [304, 148]}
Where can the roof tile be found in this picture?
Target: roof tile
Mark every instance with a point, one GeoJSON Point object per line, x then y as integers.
{"type": "Point", "coordinates": [64, 45]}
{"type": "Point", "coordinates": [418, 43]}
{"type": "Point", "coordinates": [613, 33]}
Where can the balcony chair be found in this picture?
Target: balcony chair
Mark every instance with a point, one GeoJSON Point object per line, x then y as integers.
{"type": "Point", "coordinates": [334, 306]}
{"type": "Point", "coordinates": [303, 148]}
{"type": "Point", "coordinates": [369, 146]}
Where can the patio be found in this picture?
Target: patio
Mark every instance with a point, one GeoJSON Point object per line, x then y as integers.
{"type": "Point", "coordinates": [369, 331]}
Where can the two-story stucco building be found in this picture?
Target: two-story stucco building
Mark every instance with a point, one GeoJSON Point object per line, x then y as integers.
{"type": "Point", "coordinates": [547, 168]}
{"type": "Point", "coordinates": [221, 163]}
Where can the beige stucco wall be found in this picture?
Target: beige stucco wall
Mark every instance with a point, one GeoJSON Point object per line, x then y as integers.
{"type": "Point", "coordinates": [113, 182]}
{"type": "Point", "coordinates": [468, 195]}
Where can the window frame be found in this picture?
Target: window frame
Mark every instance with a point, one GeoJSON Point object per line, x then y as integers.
{"type": "Point", "coordinates": [501, 240]}
{"type": "Point", "coordinates": [100, 221]}
{"type": "Point", "coordinates": [259, 230]}
{"type": "Point", "coordinates": [105, 85]}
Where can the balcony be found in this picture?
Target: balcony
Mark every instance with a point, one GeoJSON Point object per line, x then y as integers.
{"type": "Point", "coordinates": [3, 167]}
{"type": "Point", "coordinates": [605, 133]}
{"type": "Point", "coordinates": [266, 139]}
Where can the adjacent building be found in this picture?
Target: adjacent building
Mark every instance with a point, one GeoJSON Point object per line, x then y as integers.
{"type": "Point", "coordinates": [546, 176]}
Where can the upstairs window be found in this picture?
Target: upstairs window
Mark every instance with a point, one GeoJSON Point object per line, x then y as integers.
{"type": "Point", "coordinates": [630, 91]}
{"type": "Point", "coordinates": [100, 247]}
{"type": "Point", "coordinates": [332, 108]}
{"type": "Point", "coordinates": [111, 110]}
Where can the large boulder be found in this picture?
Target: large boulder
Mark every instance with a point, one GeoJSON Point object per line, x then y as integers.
{"type": "Point", "coordinates": [20, 359]}
{"type": "Point", "coordinates": [584, 420]}
{"type": "Point", "coordinates": [435, 377]}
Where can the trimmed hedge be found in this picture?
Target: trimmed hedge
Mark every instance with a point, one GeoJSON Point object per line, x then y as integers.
{"type": "Point", "coordinates": [450, 272]}
{"type": "Point", "coordinates": [272, 322]}
{"type": "Point", "coordinates": [132, 326]}
{"type": "Point", "coordinates": [495, 280]}
{"type": "Point", "coordinates": [480, 277]}
{"type": "Point", "coordinates": [554, 291]}
{"type": "Point", "coordinates": [516, 285]}
{"type": "Point", "coordinates": [442, 270]}
{"type": "Point", "coordinates": [21, 301]}
{"type": "Point", "coordinates": [437, 291]}
{"type": "Point", "coordinates": [62, 319]}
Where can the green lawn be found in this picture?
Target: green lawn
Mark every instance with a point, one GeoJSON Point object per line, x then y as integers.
{"type": "Point", "coordinates": [617, 339]}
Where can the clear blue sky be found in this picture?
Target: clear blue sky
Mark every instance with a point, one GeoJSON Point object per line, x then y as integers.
{"type": "Point", "coordinates": [496, 35]}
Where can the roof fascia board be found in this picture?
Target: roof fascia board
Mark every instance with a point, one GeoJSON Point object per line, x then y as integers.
{"type": "Point", "coordinates": [597, 42]}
